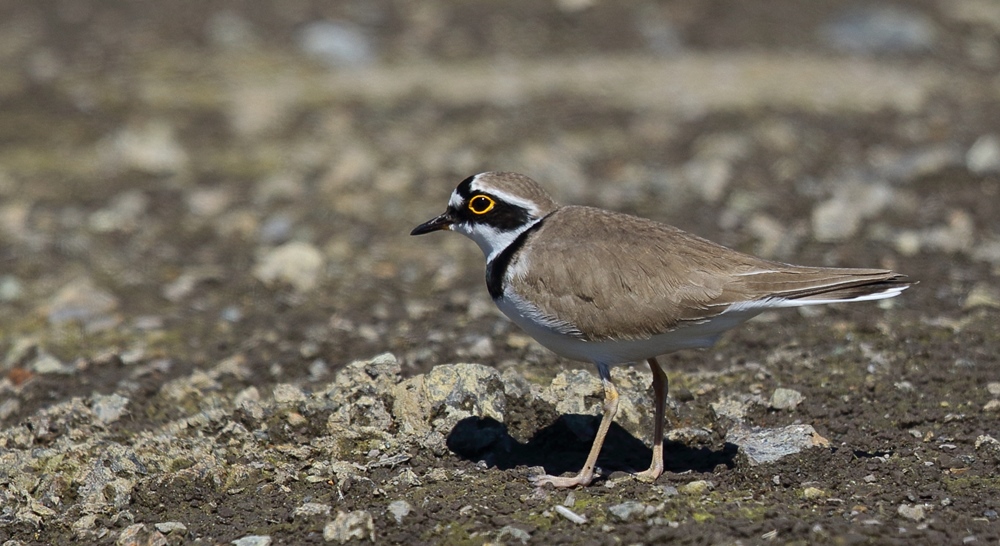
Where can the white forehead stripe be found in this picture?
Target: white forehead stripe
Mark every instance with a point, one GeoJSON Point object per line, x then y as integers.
{"type": "Point", "coordinates": [526, 204]}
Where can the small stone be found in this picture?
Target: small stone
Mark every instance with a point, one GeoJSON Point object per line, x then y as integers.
{"type": "Point", "coordinates": [813, 493]}
{"type": "Point", "coordinates": [308, 509]}
{"type": "Point", "coordinates": [760, 446]}
{"type": "Point", "coordinates": [735, 409]}
{"type": "Point", "coordinates": [288, 394]}
{"type": "Point", "coordinates": [400, 509]}
{"type": "Point", "coordinates": [514, 533]}
{"type": "Point", "coordinates": [150, 147]}
{"type": "Point", "coordinates": [697, 487]}
{"type": "Point", "coordinates": [628, 509]}
{"type": "Point", "coordinates": [108, 409]}
{"type": "Point", "coordinates": [984, 155]}
{"type": "Point", "coordinates": [840, 217]}
{"type": "Point", "coordinates": [138, 535]}
{"type": "Point", "coordinates": [80, 301]}
{"type": "Point", "coordinates": [880, 29]}
{"type": "Point", "coordinates": [570, 515]}
{"type": "Point", "coordinates": [982, 295]}
{"type": "Point", "coordinates": [11, 288]}
{"type": "Point", "coordinates": [46, 364]}
{"type": "Point", "coordinates": [993, 387]}
{"type": "Point", "coordinates": [168, 527]}
{"type": "Point", "coordinates": [786, 399]}
{"type": "Point", "coordinates": [297, 263]}
{"type": "Point", "coordinates": [253, 540]}
{"type": "Point", "coordinates": [348, 525]}
{"type": "Point", "coordinates": [448, 394]}
{"type": "Point", "coordinates": [992, 405]}
{"type": "Point", "coordinates": [915, 512]}
{"type": "Point", "coordinates": [337, 43]}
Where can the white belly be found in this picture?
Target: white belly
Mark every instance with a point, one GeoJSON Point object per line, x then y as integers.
{"type": "Point", "coordinates": [697, 335]}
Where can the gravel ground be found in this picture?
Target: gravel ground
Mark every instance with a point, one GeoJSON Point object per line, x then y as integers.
{"type": "Point", "coordinates": [214, 326]}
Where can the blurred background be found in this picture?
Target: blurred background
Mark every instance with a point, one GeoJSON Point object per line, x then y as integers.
{"type": "Point", "coordinates": [184, 182]}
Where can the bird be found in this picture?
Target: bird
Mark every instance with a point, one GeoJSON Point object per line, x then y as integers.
{"type": "Point", "coordinates": [609, 288]}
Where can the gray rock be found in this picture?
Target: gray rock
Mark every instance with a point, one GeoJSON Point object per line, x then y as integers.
{"type": "Point", "coordinates": [914, 512]}
{"type": "Point", "coordinates": [11, 288]}
{"type": "Point", "coordinates": [46, 364]}
{"type": "Point", "coordinates": [880, 29]}
{"type": "Point", "coordinates": [446, 395]}
{"type": "Point", "coordinates": [840, 217]}
{"type": "Point", "coordinates": [168, 527]}
{"type": "Point", "coordinates": [108, 408]}
{"type": "Point", "coordinates": [627, 510]}
{"type": "Point", "coordinates": [308, 509]}
{"type": "Point", "coordinates": [697, 487]}
{"type": "Point", "coordinates": [252, 540]}
{"type": "Point", "coordinates": [337, 43]}
{"type": "Point", "coordinates": [296, 263]}
{"type": "Point", "coordinates": [760, 446]}
{"type": "Point", "coordinates": [150, 147]}
{"type": "Point", "coordinates": [400, 509]}
{"type": "Point", "coordinates": [786, 399]}
{"type": "Point", "coordinates": [734, 409]}
{"type": "Point", "coordinates": [138, 535]}
{"type": "Point", "coordinates": [81, 301]}
{"type": "Point", "coordinates": [124, 213]}
{"type": "Point", "coordinates": [514, 534]}
{"type": "Point", "coordinates": [349, 525]}
{"type": "Point", "coordinates": [984, 155]}
{"type": "Point", "coordinates": [286, 394]}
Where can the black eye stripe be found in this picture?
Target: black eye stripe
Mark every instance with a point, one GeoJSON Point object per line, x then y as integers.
{"type": "Point", "coordinates": [503, 216]}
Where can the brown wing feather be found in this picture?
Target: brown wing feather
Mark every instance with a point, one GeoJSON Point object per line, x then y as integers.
{"type": "Point", "coordinates": [614, 276]}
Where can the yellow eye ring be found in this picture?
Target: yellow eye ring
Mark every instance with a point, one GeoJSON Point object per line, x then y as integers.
{"type": "Point", "coordinates": [481, 204]}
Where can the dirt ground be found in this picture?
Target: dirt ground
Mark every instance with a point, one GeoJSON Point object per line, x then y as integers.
{"type": "Point", "coordinates": [204, 218]}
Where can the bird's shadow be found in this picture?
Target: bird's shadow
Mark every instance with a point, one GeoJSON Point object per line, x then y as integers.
{"type": "Point", "coordinates": [563, 447]}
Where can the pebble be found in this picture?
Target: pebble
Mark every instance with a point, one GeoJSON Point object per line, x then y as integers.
{"type": "Point", "coordinates": [252, 540]}
{"type": "Point", "coordinates": [839, 218]}
{"type": "Point", "coordinates": [312, 509]}
{"type": "Point", "coordinates": [297, 263]}
{"type": "Point", "coordinates": [786, 399]}
{"type": "Point", "coordinates": [697, 487]}
{"type": "Point", "coordinates": [168, 527]}
{"type": "Point", "coordinates": [914, 512]}
{"type": "Point", "coordinates": [45, 364]}
{"type": "Point", "coordinates": [514, 533]}
{"type": "Point", "coordinates": [991, 406]}
{"type": "Point", "coordinates": [993, 387]}
{"type": "Point", "coordinates": [628, 509]}
{"type": "Point", "coordinates": [447, 394]}
{"type": "Point", "coordinates": [984, 155]}
{"type": "Point", "coordinates": [11, 288]}
{"type": "Point", "coordinates": [570, 515]}
{"type": "Point", "coordinates": [761, 446]}
{"type": "Point", "coordinates": [983, 294]}
{"type": "Point", "coordinates": [400, 509]}
{"type": "Point", "coordinates": [813, 493]}
{"type": "Point", "coordinates": [337, 43]}
{"type": "Point", "coordinates": [350, 525]}
{"type": "Point", "coordinates": [108, 408]}
{"type": "Point", "coordinates": [80, 301]}
{"type": "Point", "coordinates": [151, 147]}
{"type": "Point", "coordinates": [288, 394]}
{"type": "Point", "coordinates": [138, 535]}
{"type": "Point", "coordinates": [880, 29]}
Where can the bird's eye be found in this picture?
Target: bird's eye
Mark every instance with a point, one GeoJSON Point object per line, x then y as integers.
{"type": "Point", "coordinates": [481, 204]}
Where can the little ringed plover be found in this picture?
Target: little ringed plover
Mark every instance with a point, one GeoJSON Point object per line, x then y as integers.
{"type": "Point", "coordinates": [610, 288]}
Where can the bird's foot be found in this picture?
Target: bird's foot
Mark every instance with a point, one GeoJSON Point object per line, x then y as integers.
{"type": "Point", "coordinates": [649, 475]}
{"type": "Point", "coordinates": [562, 482]}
